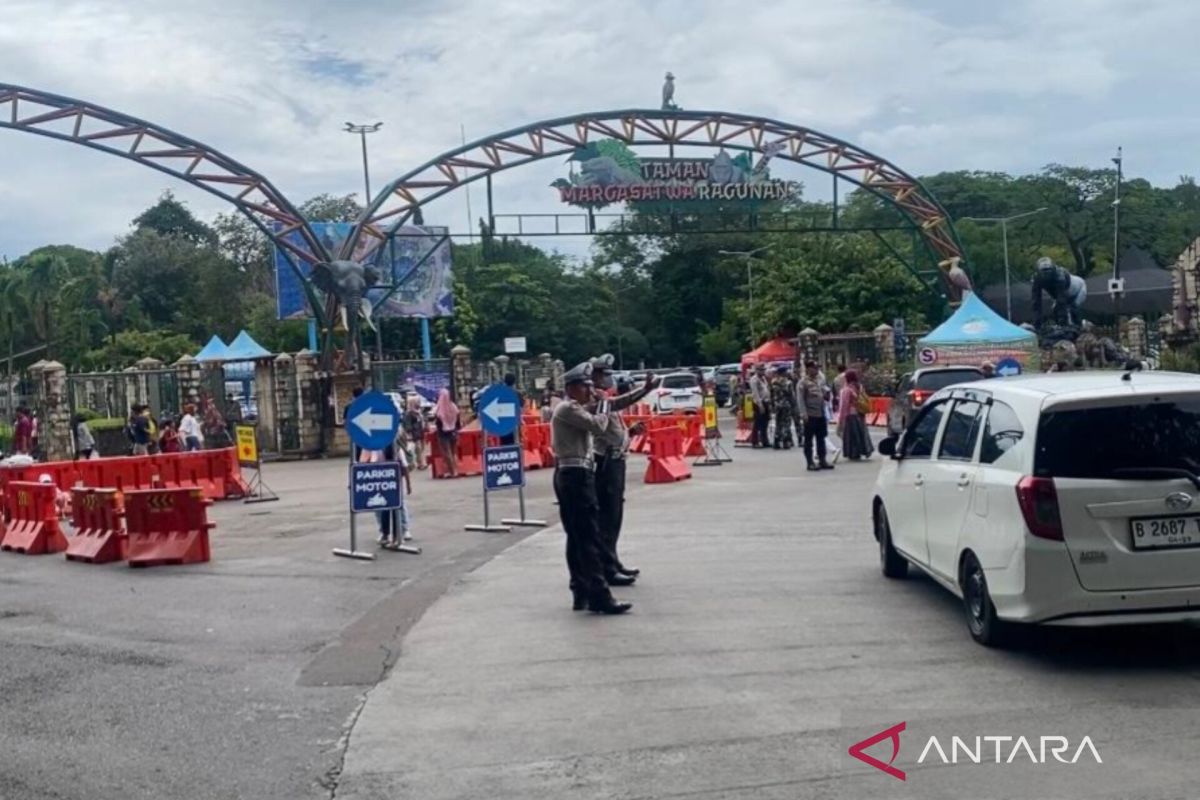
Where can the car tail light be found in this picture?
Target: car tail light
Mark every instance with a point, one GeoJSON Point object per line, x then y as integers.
{"type": "Point", "coordinates": [1039, 505]}
{"type": "Point", "coordinates": [663, 392]}
{"type": "Point", "coordinates": [918, 396]}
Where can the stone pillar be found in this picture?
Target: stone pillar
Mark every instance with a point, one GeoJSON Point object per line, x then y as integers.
{"type": "Point", "coordinates": [1135, 337]}
{"type": "Point", "coordinates": [460, 374]}
{"type": "Point", "coordinates": [885, 348]}
{"type": "Point", "coordinates": [808, 344]}
{"type": "Point", "coordinates": [310, 402]}
{"type": "Point", "coordinates": [264, 385]}
{"type": "Point", "coordinates": [286, 403]}
{"type": "Point", "coordinates": [187, 376]}
{"type": "Point", "coordinates": [502, 366]}
{"type": "Point", "coordinates": [54, 430]}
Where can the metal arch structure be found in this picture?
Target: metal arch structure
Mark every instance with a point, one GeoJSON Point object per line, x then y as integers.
{"type": "Point", "coordinates": [109, 131]}
{"type": "Point", "coordinates": [402, 198]}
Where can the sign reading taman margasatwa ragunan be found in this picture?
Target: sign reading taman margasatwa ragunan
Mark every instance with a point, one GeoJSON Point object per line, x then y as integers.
{"type": "Point", "coordinates": [609, 172]}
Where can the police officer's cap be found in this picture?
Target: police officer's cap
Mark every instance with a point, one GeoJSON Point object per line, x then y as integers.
{"type": "Point", "coordinates": [603, 363]}
{"type": "Point", "coordinates": [580, 373]}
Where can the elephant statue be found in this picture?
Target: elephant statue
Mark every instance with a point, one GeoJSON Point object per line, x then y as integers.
{"type": "Point", "coordinates": [347, 282]}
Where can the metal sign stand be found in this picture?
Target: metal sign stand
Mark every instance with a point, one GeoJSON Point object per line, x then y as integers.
{"type": "Point", "coordinates": [714, 454]}
{"type": "Point", "coordinates": [401, 547]}
{"type": "Point", "coordinates": [487, 526]}
{"type": "Point", "coordinates": [371, 423]}
{"type": "Point", "coordinates": [523, 521]}
{"type": "Point", "coordinates": [353, 552]}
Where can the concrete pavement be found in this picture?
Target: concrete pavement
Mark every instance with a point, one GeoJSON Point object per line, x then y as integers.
{"type": "Point", "coordinates": [763, 643]}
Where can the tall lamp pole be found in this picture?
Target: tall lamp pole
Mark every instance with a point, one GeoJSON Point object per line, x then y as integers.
{"type": "Point", "coordinates": [362, 131]}
{"type": "Point", "coordinates": [748, 255]}
{"type": "Point", "coordinates": [1116, 282]}
{"type": "Point", "coordinates": [1004, 234]}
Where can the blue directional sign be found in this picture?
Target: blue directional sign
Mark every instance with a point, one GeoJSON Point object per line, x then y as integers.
{"type": "Point", "coordinates": [372, 420]}
{"type": "Point", "coordinates": [1008, 366]}
{"type": "Point", "coordinates": [375, 487]}
{"type": "Point", "coordinates": [502, 467]}
{"type": "Point", "coordinates": [499, 410]}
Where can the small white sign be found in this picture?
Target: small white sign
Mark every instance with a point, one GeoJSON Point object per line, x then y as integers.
{"type": "Point", "coordinates": [514, 344]}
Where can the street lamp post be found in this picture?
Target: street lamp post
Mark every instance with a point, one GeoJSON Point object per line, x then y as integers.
{"type": "Point", "coordinates": [748, 255]}
{"type": "Point", "coordinates": [1004, 234]}
{"type": "Point", "coordinates": [362, 131]}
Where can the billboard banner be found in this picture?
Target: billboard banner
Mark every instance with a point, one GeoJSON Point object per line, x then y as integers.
{"type": "Point", "coordinates": [417, 260]}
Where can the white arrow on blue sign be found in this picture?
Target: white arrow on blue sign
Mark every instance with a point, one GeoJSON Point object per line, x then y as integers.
{"type": "Point", "coordinates": [499, 410]}
{"type": "Point", "coordinates": [372, 420]}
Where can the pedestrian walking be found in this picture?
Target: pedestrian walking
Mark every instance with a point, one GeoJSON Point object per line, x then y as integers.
{"type": "Point", "coordinates": [610, 449]}
{"type": "Point", "coordinates": [190, 430]}
{"type": "Point", "coordinates": [839, 383]}
{"type": "Point", "coordinates": [783, 399]}
{"type": "Point", "coordinates": [388, 536]}
{"type": "Point", "coordinates": [852, 426]}
{"type": "Point", "coordinates": [85, 443]}
{"type": "Point", "coordinates": [448, 421]}
{"type": "Point", "coordinates": [414, 429]}
{"type": "Point", "coordinates": [141, 430]}
{"type": "Point", "coordinates": [579, 417]}
{"type": "Point", "coordinates": [811, 396]}
{"type": "Point", "coordinates": [23, 432]}
{"type": "Point", "coordinates": [760, 396]}
{"type": "Point", "coordinates": [168, 437]}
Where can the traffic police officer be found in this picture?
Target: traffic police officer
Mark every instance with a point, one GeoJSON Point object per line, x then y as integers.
{"type": "Point", "coordinates": [575, 421]}
{"type": "Point", "coordinates": [611, 447]}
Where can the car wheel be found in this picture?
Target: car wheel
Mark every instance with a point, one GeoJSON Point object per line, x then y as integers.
{"type": "Point", "coordinates": [891, 563]}
{"type": "Point", "coordinates": [985, 627]}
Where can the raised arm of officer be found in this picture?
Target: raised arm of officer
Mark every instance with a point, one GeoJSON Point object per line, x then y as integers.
{"type": "Point", "coordinates": [623, 401]}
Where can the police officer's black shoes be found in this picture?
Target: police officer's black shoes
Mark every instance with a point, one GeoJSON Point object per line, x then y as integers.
{"type": "Point", "coordinates": [629, 570]}
{"type": "Point", "coordinates": [825, 465]}
{"type": "Point", "coordinates": [619, 579]}
{"type": "Point", "coordinates": [608, 605]}
{"type": "Point", "coordinates": [812, 467]}
{"type": "Point", "coordinates": [578, 601]}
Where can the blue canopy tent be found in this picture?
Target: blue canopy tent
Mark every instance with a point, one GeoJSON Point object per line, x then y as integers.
{"type": "Point", "coordinates": [215, 350]}
{"type": "Point", "coordinates": [975, 333]}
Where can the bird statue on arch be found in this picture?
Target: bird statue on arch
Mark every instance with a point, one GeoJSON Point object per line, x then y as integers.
{"type": "Point", "coordinates": [668, 94]}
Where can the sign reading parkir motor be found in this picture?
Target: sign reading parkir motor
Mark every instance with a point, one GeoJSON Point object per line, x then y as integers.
{"type": "Point", "coordinates": [247, 445]}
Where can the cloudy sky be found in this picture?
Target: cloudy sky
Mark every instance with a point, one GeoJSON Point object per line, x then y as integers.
{"type": "Point", "coordinates": [931, 84]}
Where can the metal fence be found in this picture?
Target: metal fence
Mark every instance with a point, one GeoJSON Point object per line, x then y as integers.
{"type": "Point", "coordinates": [113, 394]}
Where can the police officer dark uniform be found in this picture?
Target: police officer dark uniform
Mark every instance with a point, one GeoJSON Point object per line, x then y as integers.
{"type": "Point", "coordinates": [572, 427]}
{"type": "Point", "coordinates": [611, 447]}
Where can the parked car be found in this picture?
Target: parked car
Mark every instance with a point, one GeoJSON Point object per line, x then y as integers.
{"type": "Point", "coordinates": [1064, 499]}
{"type": "Point", "coordinates": [913, 389]}
{"type": "Point", "coordinates": [677, 392]}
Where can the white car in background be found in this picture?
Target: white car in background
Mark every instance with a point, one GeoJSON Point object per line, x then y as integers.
{"type": "Point", "coordinates": [678, 392]}
{"type": "Point", "coordinates": [1065, 499]}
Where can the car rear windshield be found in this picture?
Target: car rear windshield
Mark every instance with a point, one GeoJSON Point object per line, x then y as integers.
{"type": "Point", "coordinates": [940, 379]}
{"type": "Point", "coordinates": [1144, 440]}
{"type": "Point", "coordinates": [679, 382]}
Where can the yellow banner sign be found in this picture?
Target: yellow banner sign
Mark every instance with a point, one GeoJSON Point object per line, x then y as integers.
{"type": "Point", "coordinates": [247, 445]}
{"type": "Point", "coordinates": [710, 413]}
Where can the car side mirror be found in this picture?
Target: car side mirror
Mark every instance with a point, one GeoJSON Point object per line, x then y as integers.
{"type": "Point", "coordinates": [887, 447]}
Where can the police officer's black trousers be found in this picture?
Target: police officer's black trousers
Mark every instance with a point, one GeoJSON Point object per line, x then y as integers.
{"type": "Point", "coordinates": [610, 493]}
{"type": "Point", "coordinates": [575, 488]}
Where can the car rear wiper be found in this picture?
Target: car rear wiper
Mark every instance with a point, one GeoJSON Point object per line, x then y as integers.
{"type": "Point", "coordinates": [1158, 472]}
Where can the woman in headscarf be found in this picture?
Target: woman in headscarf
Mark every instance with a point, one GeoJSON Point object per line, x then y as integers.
{"type": "Point", "coordinates": [852, 427]}
{"type": "Point", "coordinates": [414, 427]}
{"type": "Point", "coordinates": [448, 422]}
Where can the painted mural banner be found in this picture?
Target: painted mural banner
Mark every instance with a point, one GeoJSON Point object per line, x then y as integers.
{"type": "Point", "coordinates": [610, 172]}
{"type": "Point", "coordinates": [417, 261]}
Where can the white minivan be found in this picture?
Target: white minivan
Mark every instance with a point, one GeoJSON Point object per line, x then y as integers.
{"type": "Point", "coordinates": [1067, 499]}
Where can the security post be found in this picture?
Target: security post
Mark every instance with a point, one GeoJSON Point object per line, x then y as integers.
{"type": "Point", "coordinates": [249, 458]}
{"type": "Point", "coordinates": [371, 423]}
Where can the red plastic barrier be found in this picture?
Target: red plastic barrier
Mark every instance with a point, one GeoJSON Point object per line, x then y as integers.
{"type": "Point", "coordinates": [226, 474]}
{"type": "Point", "coordinates": [167, 526]}
{"type": "Point", "coordinates": [666, 463]}
{"type": "Point", "coordinates": [470, 453]}
{"type": "Point", "coordinates": [33, 528]}
{"type": "Point", "coordinates": [534, 441]}
{"type": "Point", "coordinates": [99, 534]}
{"type": "Point", "coordinates": [878, 415]}
{"type": "Point", "coordinates": [692, 428]}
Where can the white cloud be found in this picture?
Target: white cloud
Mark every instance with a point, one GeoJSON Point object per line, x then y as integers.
{"type": "Point", "coordinates": [933, 85]}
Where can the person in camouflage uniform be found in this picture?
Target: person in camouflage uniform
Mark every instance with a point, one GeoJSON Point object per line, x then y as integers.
{"type": "Point", "coordinates": [783, 403]}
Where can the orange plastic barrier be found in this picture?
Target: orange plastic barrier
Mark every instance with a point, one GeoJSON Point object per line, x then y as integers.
{"type": "Point", "coordinates": [692, 427]}
{"type": "Point", "coordinates": [99, 533]}
{"type": "Point", "coordinates": [878, 415]}
{"type": "Point", "coordinates": [535, 440]}
{"type": "Point", "coordinates": [666, 463]}
{"type": "Point", "coordinates": [167, 526]}
{"type": "Point", "coordinates": [33, 528]}
{"type": "Point", "coordinates": [470, 453]}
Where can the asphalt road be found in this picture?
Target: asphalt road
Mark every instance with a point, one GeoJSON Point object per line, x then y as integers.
{"type": "Point", "coordinates": [234, 679]}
